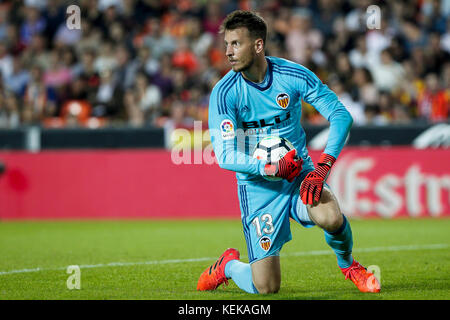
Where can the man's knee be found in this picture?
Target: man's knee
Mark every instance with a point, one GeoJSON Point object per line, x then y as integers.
{"type": "Point", "coordinates": [330, 222]}
{"type": "Point", "coordinates": [266, 275]}
{"type": "Point", "coordinates": [265, 287]}
{"type": "Point", "coordinates": [327, 214]}
{"type": "Point", "coordinates": [333, 223]}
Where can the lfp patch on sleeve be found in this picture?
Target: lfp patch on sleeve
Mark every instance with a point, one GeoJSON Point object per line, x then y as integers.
{"type": "Point", "coordinates": [227, 129]}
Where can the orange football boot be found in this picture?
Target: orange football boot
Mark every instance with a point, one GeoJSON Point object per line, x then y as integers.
{"type": "Point", "coordinates": [214, 275]}
{"type": "Point", "coordinates": [364, 280]}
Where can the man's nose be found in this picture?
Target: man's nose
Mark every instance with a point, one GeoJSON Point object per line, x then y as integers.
{"type": "Point", "coordinates": [228, 51]}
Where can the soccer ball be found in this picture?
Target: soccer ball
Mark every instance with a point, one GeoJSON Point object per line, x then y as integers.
{"type": "Point", "coordinates": [272, 149]}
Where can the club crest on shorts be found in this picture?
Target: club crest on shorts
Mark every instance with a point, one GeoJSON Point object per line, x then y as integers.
{"type": "Point", "coordinates": [283, 100]}
{"type": "Point", "coordinates": [265, 243]}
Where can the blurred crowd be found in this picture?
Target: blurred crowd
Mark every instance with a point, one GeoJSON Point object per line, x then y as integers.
{"type": "Point", "coordinates": [155, 62]}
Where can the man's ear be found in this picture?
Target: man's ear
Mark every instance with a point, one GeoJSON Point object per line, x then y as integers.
{"type": "Point", "coordinates": [259, 45]}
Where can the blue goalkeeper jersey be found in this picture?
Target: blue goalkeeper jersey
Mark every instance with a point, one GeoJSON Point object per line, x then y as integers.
{"type": "Point", "coordinates": [242, 112]}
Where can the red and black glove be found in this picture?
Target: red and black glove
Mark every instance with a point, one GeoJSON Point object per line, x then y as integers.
{"type": "Point", "coordinates": [312, 185]}
{"type": "Point", "coordinates": [287, 167]}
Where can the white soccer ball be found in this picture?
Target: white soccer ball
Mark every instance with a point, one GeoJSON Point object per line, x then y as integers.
{"type": "Point", "coordinates": [271, 149]}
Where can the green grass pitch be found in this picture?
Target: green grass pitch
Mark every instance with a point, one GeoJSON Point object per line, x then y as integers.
{"type": "Point", "coordinates": [163, 259]}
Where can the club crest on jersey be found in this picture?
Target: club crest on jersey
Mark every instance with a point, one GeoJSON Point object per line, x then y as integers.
{"type": "Point", "coordinates": [283, 100]}
{"type": "Point", "coordinates": [265, 243]}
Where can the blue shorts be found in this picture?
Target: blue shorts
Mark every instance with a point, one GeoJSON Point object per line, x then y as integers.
{"type": "Point", "coordinates": [266, 209]}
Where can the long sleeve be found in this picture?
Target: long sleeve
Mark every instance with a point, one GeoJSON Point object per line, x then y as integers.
{"type": "Point", "coordinates": [327, 103]}
{"type": "Point", "coordinates": [228, 141]}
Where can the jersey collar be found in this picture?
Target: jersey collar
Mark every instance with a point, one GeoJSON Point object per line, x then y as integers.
{"type": "Point", "coordinates": [267, 82]}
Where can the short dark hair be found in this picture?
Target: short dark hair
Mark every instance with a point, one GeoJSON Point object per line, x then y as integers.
{"type": "Point", "coordinates": [254, 23]}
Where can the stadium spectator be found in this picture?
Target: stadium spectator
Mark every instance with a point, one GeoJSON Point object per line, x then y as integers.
{"type": "Point", "coordinates": [179, 117]}
{"type": "Point", "coordinates": [199, 41]}
{"type": "Point", "coordinates": [86, 70]}
{"type": "Point", "coordinates": [143, 62]}
{"type": "Point", "coordinates": [344, 70]}
{"type": "Point", "coordinates": [36, 52]}
{"type": "Point", "coordinates": [364, 89]}
{"type": "Point", "coordinates": [435, 56]}
{"type": "Point", "coordinates": [158, 40]}
{"type": "Point", "coordinates": [64, 36]}
{"type": "Point", "coordinates": [90, 38]}
{"type": "Point", "coordinates": [39, 99]}
{"type": "Point", "coordinates": [434, 16]}
{"type": "Point", "coordinates": [302, 36]}
{"type": "Point", "coordinates": [120, 72]}
{"type": "Point", "coordinates": [106, 59]}
{"type": "Point", "coordinates": [400, 114]}
{"type": "Point", "coordinates": [355, 20]}
{"type": "Point", "coordinates": [445, 39]}
{"type": "Point", "coordinates": [76, 90]}
{"type": "Point", "coordinates": [388, 74]}
{"type": "Point", "coordinates": [386, 103]}
{"type": "Point", "coordinates": [34, 23]}
{"type": "Point", "coordinates": [108, 97]}
{"type": "Point", "coordinates": [13, 41]}
{"type": "Point", "coordinates": [57, 74]}
{"type": "Point", "coordinates": [18, 78]}
{"type": "Point", "coordinates": [378, 40]}
{"type": "Point", "coordinates": [355, 108]}
{"type": "Point", "coordinates": [133, 114]}
{"type": "Point", "coordinates": [446, 77]}
{"type": "Point", "coordinates": [3, 21]}
{"type": "Point", "coordinates": [116, 33]}
{"type": "Point", "coordinates": [148, 97]}
{"type": "Point", "coordinates": [184, 58]}
{"type": "Point", "coordinates": [9, 111]}
{"type": "Point", "coordinates": [414, 36]}
{"type": "Point", "coordinates": [359, 55]}
{"type": "Point", "coordinates": [6, 61]}
{"type": "Point", "coordinates": [213, 18]}
{"type": "Point", "coordinates": [325, 13]}
{"type": "Point", "coordinates": [373, 116]}
{"type": "Point", "coordinates": [54, 15]}
{"type": "Point", "coordinates": [163, 79]}
{"type": "Point", "coordinates": [433, 102]}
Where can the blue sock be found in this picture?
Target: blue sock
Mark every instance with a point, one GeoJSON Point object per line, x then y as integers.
{"type": "Point", "coordinates": [241, 273]}
{"type": "Point", "coordinates": [341, 241]}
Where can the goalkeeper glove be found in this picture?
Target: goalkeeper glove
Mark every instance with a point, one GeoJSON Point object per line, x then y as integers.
{"type": "Point", "coordinates": [312, 185]}
{"type": "Point", "coordinates": [287, 167]}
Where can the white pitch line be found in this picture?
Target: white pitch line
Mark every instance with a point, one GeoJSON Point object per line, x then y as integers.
{"type": "Point", "coordinates": [294, 254]}
{"type": "Point", "coordinates": [373, 249]}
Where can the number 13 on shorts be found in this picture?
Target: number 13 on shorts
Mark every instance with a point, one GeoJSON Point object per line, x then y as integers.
{"type": "Point", "coordinates": [263, 224]}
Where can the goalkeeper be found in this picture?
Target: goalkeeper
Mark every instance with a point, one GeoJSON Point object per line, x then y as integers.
{"type": "Point", "coordinates": [262, 96]}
